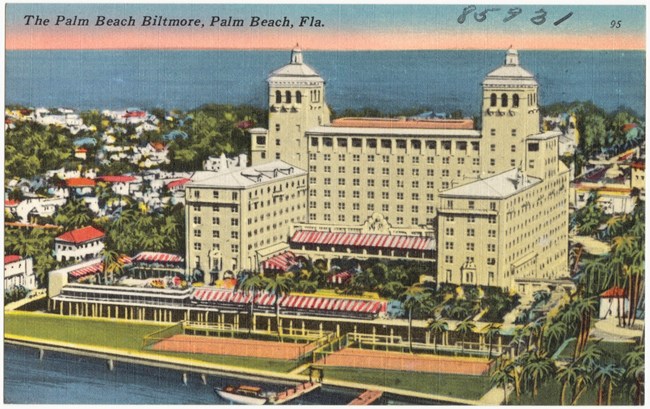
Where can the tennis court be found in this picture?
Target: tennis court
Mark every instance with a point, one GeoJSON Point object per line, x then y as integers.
{"type": "Point", "coordinates": [233, 346]}
{"type": "Point", "coordinates": [364, 358]}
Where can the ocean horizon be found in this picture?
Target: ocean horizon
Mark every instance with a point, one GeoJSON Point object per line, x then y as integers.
{"type": "Point", "coordinates": [390, 81]}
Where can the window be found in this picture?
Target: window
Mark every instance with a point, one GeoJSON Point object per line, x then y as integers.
{"type": "Point", "coordinates": [515, 101]}
{"type": "Point", "coordinates": [384, 183]}
{"type": "Point", "coordinates": [341, 181]}
{"type": "Point", "coordinates": [415, 172]}
{"type": "Point", "coordinates": [504, 100]}
{"type": "Point", "coordinates": [371, 195]}
{"type": "Point", "coordinates": [531, 163]}
{"type": "Point", "coordinates": [469, 247]}
{"type": "Point", "coordinates": [400, 171]}
{"type": "Point", "coordinates": [385, 158]}
{"type": "Point", "coordinates": [355, 206]}
{"type": "Point", "coordinates": [513, 148]}
{"type": "Point", "coordinates": [385, 195]}
{"type": "Point", "coordinates": [471, 219]}
{"type": "Point", "coordinates": [476, 161]}
{"type": "Point", "coordinates": [385, 208]}
{"type": "Point", "coordinates": [355, 158]}
{"type": "Point", "coordinates": [386, 171]}
{"type": "Point", "coordinates": [197, 246]}
{"type": "Point", "coordinates": [371, 158]}
{"type": "Point", "coordinates": [341, 169]}
{"type": "Point", "coordinates": [429, 184]}
{"type": "Point", "coordinates": [197, 233]}
{"type": "Point", "coordinates": [341, 206]}
{"type": "Point", "coordinates": [416, 159]}
{"type": "Point", "coordinates": [277, 142]}
{"type": "Point", "coordinates": [400, 208]}
{"type": "Point", "coordinates": [415, 209]}
{"type": "Point", "coordinates": [470, 232]}
{"type": "Point", "coordinates": [234, 222]}
{"type": "Point", "coordinates": [215, 220]}
{"type": "Point", "coordinates": [492, 219]}
{"type": "Point", "coordinates": [277, 156]}
{"type": "Point", "coordinates": [342, 157]}
{"type": "Point", "coordinates": [355, 194]}
{"type": "Point", "coordinates": [234, 235]}
{"type": "Point", "coordinates": [471, 204]}
{"type": "Point", "coordinates": [493, 206]}
{"type": "Point", "coordinates": [449, 259]}
{"type": "Point", "coordinates": [415, 184]}
{"type": "Point", "coordinates": [327, 157]}
{"type": "Point", "coordinates": [215, 234]}
{"type": "Point", "coordinates": [278, 97]}
{"type": "Point", "coordinates": [371, 171]}
{"type": "Point", "coordinates": [430, 172]}
{"type": "Point", "coordinates": [341, 194]}
{"type": "Point", "coordinates": [493, 100]}
{"type": "Point", "coordinates": [277, 127]}
{"type": "Point", "coordinates": [445, 172]}
{"type": "Point", "coordinates": [298, 97]}
{"type": "Point", "coordinates": [492, 162]}
{"type": "Point", "coordinates": [415, 196]}
{"type": "Point", "coordinates": [513, 132]}
{"type": "Point", "coordinates": [197, 220]}
{"type": "Point", "coordinates": [449, 245]}
{"type": "Point", "coordinates": [493, 132]}
{"type": "Point", "coordinates": [492, 233]}
{"type": "Point", "coordinates": [356, 182]}
{"type": "Point", "coordinates": [234, 248]}
{"type": "Point", "coordinates": [445, 161]}
{"type": "Point", "coordinates": [491, 261]}
{"type": "Point", "coordinates": [449, 231]}
{"type": "Point", "coordinates": [288, 96]}
{"type": "Point", "coordinates": [533, 147]}
{"type": "Point", "coordinates": [400, 159]}
{"type": "Point", "coordinates": [327, 181]}
{"type": "Point", "coordinates": [400, 195]}
{"type": "Point", "coordinates": [371, 207]}
{"type": "Point", "coordinates": [492, 247]}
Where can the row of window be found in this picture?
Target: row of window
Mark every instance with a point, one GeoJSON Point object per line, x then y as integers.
{"type": "Point", "coordinates": [371, 143]}
{"type": "Point", "coordinates": [399, 221]}
{"type": "Point", "coordinates": [504, 100]}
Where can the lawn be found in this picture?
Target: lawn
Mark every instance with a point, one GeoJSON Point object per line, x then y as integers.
{"type": "Point", "coordinates": [549, 394]}
{"type": "Point", "coordinates": [614, 350]}
{"type": "Point", "coordinates": [85, 331]}
{"type": "Point", "coordinates": [116, 334]}
{"type": "Point", "coordinates": [458, 386]}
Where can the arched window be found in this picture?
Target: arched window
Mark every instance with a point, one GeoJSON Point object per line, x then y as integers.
{"type": "Point", "coordinates": [493, 100]}
{"type": "Point", "coordinates": [504, 100]}
{"type": "Point", "coordinates": [515, 101]}
{"type": "Point", "coordinates": [298, 97]}
{"type": "Point", "coordinates": [278, 97]}
{"type": "Point", "coordinates": [288, 96]}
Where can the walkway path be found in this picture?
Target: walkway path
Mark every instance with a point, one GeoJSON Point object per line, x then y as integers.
{"type": "Point", "coordinates": [609, 330]}
{"type": "Point", "coordinates": [494, 397]}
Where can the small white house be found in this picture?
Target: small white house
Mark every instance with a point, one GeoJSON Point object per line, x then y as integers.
{"type": "Point", "coordinates": [80, 244]}
{"type": "Point", "coordinates": [612, 303]}
{"type": "Point", "coordinates": [19, 272]}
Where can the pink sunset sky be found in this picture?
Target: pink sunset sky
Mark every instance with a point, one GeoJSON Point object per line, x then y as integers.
{"type": "Point", "coordinates": [344, 27]}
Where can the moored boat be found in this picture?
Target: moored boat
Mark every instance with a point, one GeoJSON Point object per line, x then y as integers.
{"type": "Point", "coordinates": [247, 395]}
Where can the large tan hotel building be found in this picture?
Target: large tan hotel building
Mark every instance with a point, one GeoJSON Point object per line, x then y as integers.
{"type": "Point", "coordinates": [485, 207]}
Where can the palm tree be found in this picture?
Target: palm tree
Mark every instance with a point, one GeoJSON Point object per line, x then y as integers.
{"type": "Point", "coordinates": [251, 283]}
{"type": "Point", "coordinates": [555, 333]}
{"type": "Point", "coordinates": [278, 286]}
{"type": "Point", "coordinates": [584, 308]}
{"type": "Point", "coordinates": [463, 328]}
{"type": "Point", "coordinates": [537, 368]}
{"type": "Point", "coordinates": [413, 297]}
{"type": "Point", "coordinates": [567, 376]}
{"type": "Point", "coordinates": [634, 375]}
{"type": "Point", "coordinates": [502, 378]}
{"type": "Point", "coordinates": [110, 263]}
{"type": "Point", "coordinates": [607, 376]}
{"type": "Point", "coordinates": [437, 327]}
{"type": "Point", "coordinates": [493, 330]}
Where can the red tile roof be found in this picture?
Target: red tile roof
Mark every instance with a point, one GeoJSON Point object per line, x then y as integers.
{"type": "Point", "coordinates": [81, 150]}
{"type": "Point", "coordinates": [614, 292]}
{"type": "Point", "coordinates": [12, 259]}
{"type": "Point", "coordinates": [363, 240]}
{"type": "Point", "coordinates": [158, 146]}
{"type": "Point", "coordinates": [82, 235]}
{"type": "Point", "coordinates": [117, 178]}
{"type": "Point", "coordinates": [11, 202]}
{"type": "Point", "coordinates": [80, 182]}
{"type": "Point", "coordinates": [404, 123]}
{"type": "Point", "coordinates": [176, 183]}
{"type": "Point", "coordinates": [137, 114]}
{"type": "Point", "coordinates": [638, 165]}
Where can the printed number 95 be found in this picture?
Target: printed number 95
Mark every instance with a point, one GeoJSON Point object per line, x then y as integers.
{"type": "Point", "coordinates": [615, 24]}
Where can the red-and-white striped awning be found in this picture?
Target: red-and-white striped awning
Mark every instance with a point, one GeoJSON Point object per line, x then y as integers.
{"type": "Point", "coordinates": [294, 302]}
{"type": "Point", "coordinates": [96, 268]}
{"type": "Point", "coordinates": [154, 257]}
{"type": "Point", "coordinates": [363, 240]}
{"type": "Point", "coordinates": [280, 262]}
{"type": "Point", "coordinates": [339, 278]}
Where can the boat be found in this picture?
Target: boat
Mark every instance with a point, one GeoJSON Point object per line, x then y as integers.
{"type": "Point", "coordinates": [243, 394]}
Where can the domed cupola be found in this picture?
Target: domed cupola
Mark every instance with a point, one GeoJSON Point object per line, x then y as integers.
{"type": "Point", "coordinates": [510, 73]}
{"type": "Point", "coordinates": [296, 70]}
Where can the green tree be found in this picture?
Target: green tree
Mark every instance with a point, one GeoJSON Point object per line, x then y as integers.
{"type": "Point", "coordinates": [464, 328]}
{"type": "Point", "coordinates": [537, 368]}
{"type": "Point", "coordinates": [607, 377]}
{"type": "Point", "coordinates": [437, 327]}
{"type": "Point", "coordinates": [279, 286]}
{"type": "Point", "coordinates": [251, 283]}
{"type": "Point", "coordinates": [412, 298]}
{"type": "Point", "coordinates": [567, 376]}
{"type": "Point", "coordinates": [493, 330]}
{"type": "Point", "coordinates": [502, 377]}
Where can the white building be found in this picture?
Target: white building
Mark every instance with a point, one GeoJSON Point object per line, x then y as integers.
{"type": "Point", "coordinates": [79, 244]}
{"type": "Point", "coordinates": [19, 272]}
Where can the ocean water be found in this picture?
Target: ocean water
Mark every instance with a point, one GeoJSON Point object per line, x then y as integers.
{"type": "Point", "coordinates": [387, 80]}
{"type": "Point", "coordinates": [69, 379]}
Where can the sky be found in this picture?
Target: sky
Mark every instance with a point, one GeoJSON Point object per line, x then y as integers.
{"type": "Point", "coordinates": [333, 27]}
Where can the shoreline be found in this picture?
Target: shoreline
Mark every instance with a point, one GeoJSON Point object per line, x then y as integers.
{"type": "Point", "coordinates": [206, 368]}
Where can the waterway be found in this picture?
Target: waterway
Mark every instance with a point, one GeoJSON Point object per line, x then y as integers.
{"type": "Point", "coordinates": [61, 378]}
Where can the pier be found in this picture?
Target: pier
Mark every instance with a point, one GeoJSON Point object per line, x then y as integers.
{"type": "Point", "coordinates": [295, 392]}
{"type": "Point", "coordinates": [366, 398]}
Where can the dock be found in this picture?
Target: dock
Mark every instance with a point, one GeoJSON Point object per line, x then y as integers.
{"type": "Point", "coordinates": [366, 398]}
{"type": "Point", "coordinates": [295, 392]}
